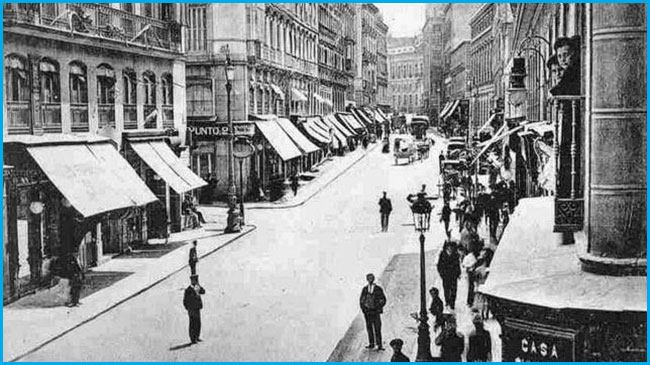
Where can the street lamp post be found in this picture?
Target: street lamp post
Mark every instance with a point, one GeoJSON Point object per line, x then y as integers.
{"type": "Point", "coordinates": [421, 209]}
{"type": "Point", "coordinates": [234, 224]}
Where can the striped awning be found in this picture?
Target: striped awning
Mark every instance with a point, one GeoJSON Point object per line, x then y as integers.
{"type": "Point", "coordinates": [451, 109]}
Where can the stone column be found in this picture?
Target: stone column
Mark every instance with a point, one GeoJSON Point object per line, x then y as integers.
{"type": "Point", "coordinates": [616, 141]}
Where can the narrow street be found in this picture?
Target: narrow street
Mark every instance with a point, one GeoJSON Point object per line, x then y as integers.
{"type": "Point", "coordinates": [286, 292]}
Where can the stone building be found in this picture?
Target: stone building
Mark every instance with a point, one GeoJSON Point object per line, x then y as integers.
{"type": "Point", "coordinates": [383, 100]}
{"type": "Point", "coordinates": [433, 57]}
{"type": "Point", "coordinates": [370, 30]}
{"type": "Point", "coordinates": [579, 294]}
{"type": "Point", "coordinates": [406, 68]}
{"type": "Point", "coordinates": [481, 58]}
{"type": "Point", "coordinates": [334, 79]}
{"type": "Point", "coordinates": [85, 83]}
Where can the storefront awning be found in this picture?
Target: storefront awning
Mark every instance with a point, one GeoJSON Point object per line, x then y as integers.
{"type": "Point", "coordinates": [487, 124]}
{"type": "Point", "coordinates": [335, 131]}
{"type": "Point", "coordinates": [340, 126]}
{"type": "Point", "coordinates": [445, 109]}
{"type": "Point", "coordinates": [342, 120]}
{"type": "Point", "coordinates": [282, 144]}
{"type": "Point", "coordinates": [500, 135]}
{"type": "Point", "coordinates": [451, 109]}
{"type": "Point", "coordinates": [94, 178]}
{"type": "Point", "coordinates": [315, 131]}
{"type": "Point", "coordinates": [278, 91]}
{"type": "Point", "coordinates": [540, 128]}
{"type": "Point", "coordinates": [352, 121]}
{"type": "Point", "coordinates": [298, 95]}
{"type": "Point", "coordinates": [298, 138]}
{"type": "Point", "coordinates": [161, 159]}
{"type": "Point", "coordinates": [362, 116]}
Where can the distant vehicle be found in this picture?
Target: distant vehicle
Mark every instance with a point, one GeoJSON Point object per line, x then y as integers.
{"type": "Point", "coordinates": [404, 148]}
{"type": "Point", "coordinates": [419, 126]}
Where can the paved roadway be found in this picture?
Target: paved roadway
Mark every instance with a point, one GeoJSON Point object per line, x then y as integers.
{"type": "Point", "coordinates": [286, 292]}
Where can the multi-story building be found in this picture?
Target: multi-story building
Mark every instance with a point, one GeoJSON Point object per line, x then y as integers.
{"type": "Point", "coordinates": [406, 66]}
{"type": "Point", "coordinates": [331, 58]}
{"type": "Point", "coordinates": [383, 99]}
{"type": "Point", "coordinates": [349, 20]}
{"type": "Point", "coordinates": [433, 56]}
{"type": "Point", "coordinates": [83, 83]}
{"type": "Point", "coordinates": [584, 298]}
{"type": "Point", "coordinates": [481, 55]}
{"type": "Point", "coordinates": [274, 50]}
{"type": "Point", "coordinates": [367, 34]}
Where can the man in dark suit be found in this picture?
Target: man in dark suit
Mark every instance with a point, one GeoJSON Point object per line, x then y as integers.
{"type": "Point", "coordinates": [372, 302]}
{"type": "Point", "coordinates": [385, 208]}
{"type": "Point", "coordinates": [194, 258]}
{"type": "Point", "coordinates": [193, 304]}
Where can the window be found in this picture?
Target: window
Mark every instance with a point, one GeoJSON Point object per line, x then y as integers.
{"type": "Point", "coordinates": [78, 97]}
{"type": "Point", "coordinates": [17, 94]}
{"type": "Point", "coordinates": [147, 10]}
{"type": "Point", "coordinates": [199, 97]}
{"type": "Point", "coordinates": [197, 29]}
{"type": "Point", "coordinates": [129, 99]}
{"type": "Point", "coordinates": [167, 89]}
{"type": "Point", "coordinates": [150, 111]}
{"type": "Point", "coordinates": [106, 95]}
{"type": "Point", "coordinates": [166, 12]}
{"type": "Point", "coordinates": [50, 94]}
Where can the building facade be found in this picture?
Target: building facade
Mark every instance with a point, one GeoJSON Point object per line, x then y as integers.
{"type": "Point", "coordinates": [406, 74]}
{"type": "Point", "coordinates": [433, 57]}
{"type": "Point", "coordinates": [593, 275]}
{"type": "Point", "coordinates": [334, 79]}
{"type": "Point", "coordinates": [81, 80]}
{"type": "Point", "coordinates": [383, 99]}
{"type": "Point", "coordinates": [481, 55]}
{"type": "Point", "coordinates": [368, 35]}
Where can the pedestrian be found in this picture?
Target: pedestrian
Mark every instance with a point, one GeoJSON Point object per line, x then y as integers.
{"type": "Point", "coordinates": [194, 258]}
{"type": "Point", "coordinates": [193, 304]}
{"type": "Point", "coordinates": [398, 356]}
{"type": "Point", "coordinates": [195, 210]}
{"type": "Point", "coordinates": [76, 277]}
{"type": "Point", "coordinates": [436, 308]}
{"type": "Point", "coordinates": [445, 217]}
{"type": "Point", "coordinates": [492, 214]}
{"type": "Point", "coordinates": [449, 270]}
{"type": "Point", "coordinates": [446, 192]}
{"type": "Point", "coordinates": [364, 141]}
{"type": "Point", "coordinates": [469, 265]}
{"type": "Point", "coordinates": [294, 184]}
{"type": "Point", "coordinates": [452, 343]}
{"type": "Point", "coordinates": [480, 342]}
{"type": "Point", "coordinates": [385, 208]}
{"type": "Point", "coordinates": [372, 302]}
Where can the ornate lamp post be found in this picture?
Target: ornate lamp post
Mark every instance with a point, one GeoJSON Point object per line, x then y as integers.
{"type": "Point", "coordinates": [234, 224]}
{"type": "Point", "coordinates": [421, 209]}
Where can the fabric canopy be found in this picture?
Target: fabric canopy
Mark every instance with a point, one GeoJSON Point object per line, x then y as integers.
{"type": "Point", "coordinates": [501, 134]}
{"type": "Point", "coordinates": [451, 109]}
{"type": "Point", "coordinates": [282, 144]}
{"type": "Point", "coordinates": [278, 91]}
{"type": "Point", "coordinates": [316, 132]}
{"type": "Point", "coordinates": [298, 138]}
{"type": "Point", "coordinates": [160, 158]}
{"type": "Point", "coordinates": [94, 178]}
{"type": "Point", "coordinates": [487, 124]}
{"type": "Point", "coordinates": [352, 121]}
{"type": "Point", "coordinates": [335, 131]}
{"type": "Point", "coordinates": [362, 116]}
{"type": "Point", "coordinates": [298, 95]}
{"type": "Point", "coordinates": [445, 109]}
{"type": "Point", "coordinates": [341, 119]}
{"type": "Point", "coordinates": [338, 126]}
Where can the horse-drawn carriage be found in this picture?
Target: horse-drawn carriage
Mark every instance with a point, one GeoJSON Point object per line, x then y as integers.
{"type": "Point", "coordinates": [404, 148]}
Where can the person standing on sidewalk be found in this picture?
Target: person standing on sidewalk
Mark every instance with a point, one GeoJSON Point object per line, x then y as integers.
{"type": "Point", "coordinates": [193, 304]}
{"type": "Point", "coordinates": [194, 258]}
{"type": "Point", "coordinates": [436, 307]}
{"type": "Point", "coordinates": [480, 343]}
{"type": "Point", "coordinates": [385, 208]}
{"type": "Point", "coordinates": [445, 217]}
{"type": "Point", "coordinates": [452, 343]}
{"type": "Point", "coordinates": [449, 270]}
{"type": "Point", "coordinates": [76, 276]}
{"type": "Point", "coordinates": [295, 184]}
{"type": "Point", "coordinates": [372, 302]}
{"type": "Point", "coordinates": [398, 355]}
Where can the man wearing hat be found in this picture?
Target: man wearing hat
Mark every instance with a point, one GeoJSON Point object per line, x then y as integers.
{"type": "Point", "coordinates": [480, 342]}
{"type": "Point", "coordinates": [372, 302]}
{"type": "Point", "coordinates": [398, 356]}
{"type": "Point", "coordinates": [193, 304]}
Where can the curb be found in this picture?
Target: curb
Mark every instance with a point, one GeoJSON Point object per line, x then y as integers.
{"type": "Point", "coordinates": [294, 205]}
{"type": "Point", "coordinates": [131, 296]}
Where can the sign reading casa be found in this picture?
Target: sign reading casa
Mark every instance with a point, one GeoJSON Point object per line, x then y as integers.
{"type": "Point", "coordinates": [533, 345]}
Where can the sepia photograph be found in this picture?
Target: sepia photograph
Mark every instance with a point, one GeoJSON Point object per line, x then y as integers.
{"type": "Point", "coordinates": [324, 182]}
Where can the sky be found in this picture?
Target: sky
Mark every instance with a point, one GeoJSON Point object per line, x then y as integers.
{"type": "Point", "coordinates": [404, 19]}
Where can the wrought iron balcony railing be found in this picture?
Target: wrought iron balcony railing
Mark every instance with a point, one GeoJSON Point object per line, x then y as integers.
{"type": "Point", "coordinates": [569, 202]}
{"type": "Point", "coordinates": [97, 20]}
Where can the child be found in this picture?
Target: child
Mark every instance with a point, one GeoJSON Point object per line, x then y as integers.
{"type": "Point", "coordinates": [398, 356]}
{"type": "Point", "coordinates": [436, 307]}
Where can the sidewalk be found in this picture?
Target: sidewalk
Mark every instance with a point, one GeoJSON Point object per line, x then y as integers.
{"type": "Point", "coordinates": [401, 284]}
{"type": "Point", "coordinates": [23, 321]}
{"type": "Point", "coordinates": [328, 172]}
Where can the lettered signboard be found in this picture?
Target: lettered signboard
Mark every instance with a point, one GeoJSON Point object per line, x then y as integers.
{"type": "Point", "coordinates": [533, 342]}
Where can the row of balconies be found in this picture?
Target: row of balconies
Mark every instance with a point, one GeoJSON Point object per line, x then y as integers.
{"type": "Point", "coordinates": [97, 20]}
{"type": "Point", "coordinates": [257, 51]}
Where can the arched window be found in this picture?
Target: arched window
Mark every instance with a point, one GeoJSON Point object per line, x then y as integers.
{"type": "Point", "coordinates": [50, 94]}
{"type": "Point", "coordinates": [150, 111]}
{"type": "Point", "coordinates": [17, 94]}
{"type": "Point", "coordinates": [78, 97]}
{"type": "Point", "coordinates": [167, 85]}
{"type": "Point", "coordinates": [129, 98]}
{"type": "Point", "coordinates": [106, 95]}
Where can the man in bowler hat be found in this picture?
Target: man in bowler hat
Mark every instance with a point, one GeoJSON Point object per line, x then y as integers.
{"type": "Point", "coordinates": [193, 304]}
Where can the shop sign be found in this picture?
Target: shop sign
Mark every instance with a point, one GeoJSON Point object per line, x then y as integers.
{"type": "Point", "coordinates": [537, 343]}
{"type": "Point", "coordinates": [203, 132]}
